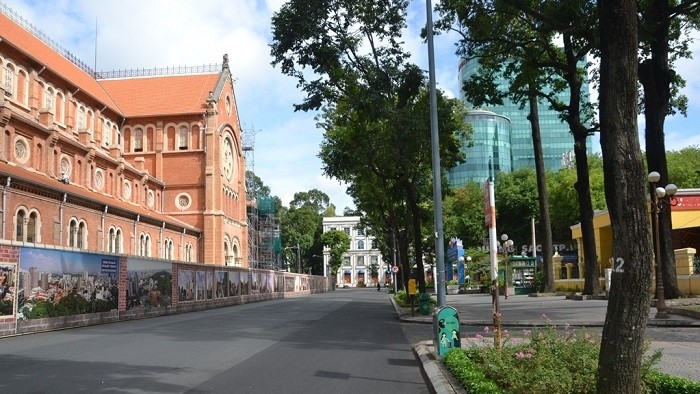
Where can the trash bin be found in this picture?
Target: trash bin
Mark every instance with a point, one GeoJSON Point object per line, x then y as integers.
{"type": "Point", "coordinates": [424, 304]}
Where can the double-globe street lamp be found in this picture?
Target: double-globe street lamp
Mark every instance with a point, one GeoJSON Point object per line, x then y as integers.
{"type": "Point", "coordinates": [659, 196]}
{"type": "Point", "coordinates": [465, 263]}
{"type": "Point", "coordinates": [507, 246]}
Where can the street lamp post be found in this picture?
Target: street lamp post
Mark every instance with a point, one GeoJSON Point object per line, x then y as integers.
{"type": "Point", "coordinates": [658, 197]}
{"type": "Point", "coordinates": [298, 257]}
{"type": "Point", "coordinates": [507, 245]}
{"type": "Point", "coordinates": [466, 276]}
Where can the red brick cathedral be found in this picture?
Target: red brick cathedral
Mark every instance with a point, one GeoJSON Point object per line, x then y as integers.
{"type": "Point", "coordinates": [138, 165]}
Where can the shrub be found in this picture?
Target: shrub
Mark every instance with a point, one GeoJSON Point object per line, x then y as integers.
{"type": "Point", "coordinates": [546, 362]}
{"type": "Point", "coordinates": [361, 284]}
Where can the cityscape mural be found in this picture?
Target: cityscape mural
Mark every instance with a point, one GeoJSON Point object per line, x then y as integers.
{"type": "Point", "coordinates": [7, 289]}
{"type": "Point", "coordinates": [61, 283]}
{"type": "Point", "coordinates": [148, 284]}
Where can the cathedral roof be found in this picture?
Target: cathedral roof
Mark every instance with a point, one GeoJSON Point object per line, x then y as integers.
{"type": "Point", "coordinates": [161, 96]}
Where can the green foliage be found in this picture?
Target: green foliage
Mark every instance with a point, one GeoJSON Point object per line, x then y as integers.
{"type": "Point", "coordinates": [71, 304]}
{"type": "Point", "coordinates": [361, 283]}
{"type": "Point", "coordinates": [545, 362]}
{"type": "Point", "coordinates": [516, 202]}
{"type": "Point", "coordinates": [338, 242]}
{"type": "Point", "coordinates": [683, 167]}
{"type": "Point", "coordinates": [468, 373]}
{"type": "Point", "coordinates": [463, 214]}
{"type": "Point", "coordinates": [5, 307]}
{"type": "Point", "coordinates": [658, 382]}
{"type": "Point", "coordinates": [302, 225]}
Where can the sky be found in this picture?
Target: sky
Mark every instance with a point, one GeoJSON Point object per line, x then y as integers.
{"type": "Point", "coordinates": [130, 34]}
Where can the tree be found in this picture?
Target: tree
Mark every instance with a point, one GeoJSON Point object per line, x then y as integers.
{"type": "Point", "coordinates": [463, 214]}
{"type": "Point", "coordinates": [683, 168]}
{"type": "Point", "coordinates": [347, 57]}
{"type": "Point", "coordinates": [301, 226]}
{"type": "Point", "coordinates": [564, 205]}
{"type": "Point", "coordinates": [514, 40]}
{"type": "Point", "coordinates": [338, 242]}
{"type": "Point", "coordinates": [255, 185]}
{"type": "Point", "coordinates": [622, 344]}
{"type": "Point", "coordinates": [664, 28]}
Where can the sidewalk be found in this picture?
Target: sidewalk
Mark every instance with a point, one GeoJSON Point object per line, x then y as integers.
{"type": "Point", "coordinates": [527, 311]}
{"type": "Point", "coordinates": [520, 311]}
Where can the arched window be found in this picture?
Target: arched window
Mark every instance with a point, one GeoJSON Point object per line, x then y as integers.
{"type": "Point", "coordinates": [48, 98]}
{"type": "Point", "coordinates": [227, 258]}
{"type": "Point", "coordinates": [142, 245]}
{"type": "Point", "coordinates": [107, 134]}
{"type": "Point", "coordinates": [27, 226]}
{"type": "Point", "coordinates": [111, 240]}
{"type": "Point", "coordinates": [81, 236]}
{"type": "Point", "coordinates": [188, 252]}
{"type": "Point", "coordinates": [8, 80]}
{"type": "Point", "coordinates": [118, 247]}
{"type": "Point", "coordinates": [138, 140]}
{"type": "Point", "coordinates": [72, 232]}
{"type": "Point", "coordinates": [183, 137]}
{"type": "Point", "coordinates": [19, 232]}
{"type": "Point", "coordinates": [360, 244]}
{"type": "Point", "coordinates": [168, 249]}
{"type": "Point", "coordinates": [32, 227]}
{"type": "Point", "coordinates": [81, 118]}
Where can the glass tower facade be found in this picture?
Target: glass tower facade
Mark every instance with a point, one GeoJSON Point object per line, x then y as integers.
{"type": "Point", "coordinates": [557, 141]}
{"type": "Point", "coordinates": [491, 148]}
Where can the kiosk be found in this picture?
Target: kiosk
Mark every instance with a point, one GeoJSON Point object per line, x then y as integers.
{"type": "Point", "coordinates": [522, 275]}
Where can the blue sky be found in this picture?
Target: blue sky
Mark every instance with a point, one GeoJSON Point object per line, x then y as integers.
{"type": "Point", "coordinates": [161, 33]}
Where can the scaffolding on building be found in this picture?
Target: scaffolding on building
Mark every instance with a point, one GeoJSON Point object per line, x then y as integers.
{"type": "Point", "coordinates": [264, 241]}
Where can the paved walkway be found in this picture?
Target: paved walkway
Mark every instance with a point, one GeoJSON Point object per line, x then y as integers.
{"type": "Point", "coordinates": [525, 311]}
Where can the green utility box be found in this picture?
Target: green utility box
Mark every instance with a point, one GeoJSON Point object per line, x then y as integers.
{"type": "Point", "coordinates": [424, 304]}
{"type": "Point", "coordinates": [446, 330]}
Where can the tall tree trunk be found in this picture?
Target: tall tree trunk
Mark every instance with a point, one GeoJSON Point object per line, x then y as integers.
{"type": "Point", "coordinates": [620, 360]}
{"type": "Point", "coordinates": [417, 235]}
{"type": "Point", "coordinates": [591, 286]}
{"type": "Point", "coordinates": [547, 249]}
{"type": "Point", "coordinates": [656, 78]}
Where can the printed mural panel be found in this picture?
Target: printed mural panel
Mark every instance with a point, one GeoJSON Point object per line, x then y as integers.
{"type": "Point", "coordinates": [244, 283]}
{"type": "Point", "coordinates": [7, 289]}
{"type": "Point", "coordinates": [222, 284]}
{"type": "Point", "coordinates": [186, 284]}
{"type": "Point", "coordinates": [234, 283]}
{"type": "Point", "coordinates": [201, 285]}
{"type": "Point", "coordinates": [148, 284]}
{"type": "Point", "coordinates": [254, 282]}
{"type": "Point", "coordinates": [60, 283]}
{"type": "Point", "coordinates": [210, 285]}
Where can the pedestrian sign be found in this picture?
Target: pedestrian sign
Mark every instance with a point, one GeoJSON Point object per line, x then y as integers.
{"type": "Point", "coordinates": [446, 327]}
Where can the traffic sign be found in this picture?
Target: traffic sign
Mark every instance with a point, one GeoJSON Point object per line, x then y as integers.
{"type": "Point", "coordinates": [395, 269]}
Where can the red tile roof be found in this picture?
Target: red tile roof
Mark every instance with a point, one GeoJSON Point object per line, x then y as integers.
{"type": "Point", "coordinates": [26, 42]}
{"type": "Point", "coordinates": [135, 97]}
{"type": "Point", "coordinates": [161, 96]}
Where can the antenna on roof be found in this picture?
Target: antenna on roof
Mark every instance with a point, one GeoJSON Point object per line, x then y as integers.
{"type": "Point", "coordinates": [95, 66]}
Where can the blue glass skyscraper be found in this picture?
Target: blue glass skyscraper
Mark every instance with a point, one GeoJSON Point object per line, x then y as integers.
{"type": "Point", "coordinates": [557, 141]}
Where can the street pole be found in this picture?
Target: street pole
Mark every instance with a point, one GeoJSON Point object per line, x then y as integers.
{"type": "Point", "coordinates": [493, 249]}
{"type": "Point", "coordinates": [298, 259]}
{"type": "Point", "coordinates": [437, 175]}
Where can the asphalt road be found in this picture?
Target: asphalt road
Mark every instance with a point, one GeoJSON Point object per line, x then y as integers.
{"type": "Point", "coordinates": [340, 342]}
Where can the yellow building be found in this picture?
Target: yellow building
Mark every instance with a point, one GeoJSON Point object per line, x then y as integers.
{"type": "Point", "coordinates": [685, 216]}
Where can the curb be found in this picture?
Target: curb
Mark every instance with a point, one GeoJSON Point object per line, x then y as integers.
{"type": "Point", "coordinates": [439, 381]}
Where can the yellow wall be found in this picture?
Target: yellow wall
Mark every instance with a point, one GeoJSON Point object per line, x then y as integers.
{"type": "Point", "coordinates": [688, 283]}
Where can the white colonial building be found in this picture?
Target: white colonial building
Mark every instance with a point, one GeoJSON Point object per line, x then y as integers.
{"type": "Point", "coordinates": [363, 263]}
